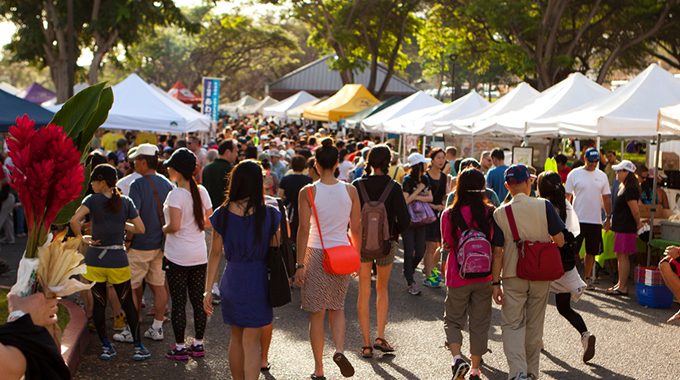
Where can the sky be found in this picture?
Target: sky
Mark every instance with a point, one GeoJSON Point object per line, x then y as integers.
{"type": "Point", "coordinates": [7, 29]}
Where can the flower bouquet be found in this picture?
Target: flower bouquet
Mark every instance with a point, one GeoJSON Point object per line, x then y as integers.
{"type": "Point", "coordinates": [50, 179]}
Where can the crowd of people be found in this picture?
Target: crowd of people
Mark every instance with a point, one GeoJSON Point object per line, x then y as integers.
{"type": "Point", "coordinates": [162, 212]}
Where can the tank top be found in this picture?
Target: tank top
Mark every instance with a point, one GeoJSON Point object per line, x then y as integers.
{"type": "Point", "coordinates": [333, 207]}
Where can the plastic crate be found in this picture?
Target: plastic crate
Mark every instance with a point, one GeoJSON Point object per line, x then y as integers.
{"type": "Point", "coordinates": [670, 231]}
{"type": "Point", "coordinates": [651, 289]}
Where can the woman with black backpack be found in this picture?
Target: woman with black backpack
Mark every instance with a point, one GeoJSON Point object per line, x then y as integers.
{"type": "Point", "coordinates": [378, 189]}
{"type": "Point", "coordinates": [469, 294]}
{"type": "Point", "coordinates": [570, 286]}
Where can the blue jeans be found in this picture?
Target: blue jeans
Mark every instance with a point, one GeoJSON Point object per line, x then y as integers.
{"type": "Point", "coordinates": [414, 250]}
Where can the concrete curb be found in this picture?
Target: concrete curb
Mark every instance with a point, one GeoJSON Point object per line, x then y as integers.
{"type": "Point", "coordinates": [75, 336]}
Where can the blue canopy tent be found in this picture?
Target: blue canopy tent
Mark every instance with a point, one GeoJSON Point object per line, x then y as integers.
{"type": "Point", "coordinates": [12, 106]}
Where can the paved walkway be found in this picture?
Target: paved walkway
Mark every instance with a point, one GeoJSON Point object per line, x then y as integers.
{"type": "Point", "coordinates": [633, 342]}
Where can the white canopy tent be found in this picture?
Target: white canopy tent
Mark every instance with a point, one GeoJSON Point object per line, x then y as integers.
{"type": "Point", "coordinates": [257, 107]}
{"type": "Point", "coordinates": [630, 111]}
{"type": "Point", "coordinates": [420, 122]}
{"type": "Point", "coordinates": [296, 112]}
{"type": "Point", "coordinates": [417, 101]}
{"type": "Point", "coordinates": [8, 88]}
{"type": "Point", "coordinates": [564, 96]}
{"type": "Point", "coordinates": [243, 102]}
{"type": "Point", "coordinates": [138, 106]}
{"type": "Point", "coordinates": [669, 120]}
{"type": "Point", "coordinates": [510, 101]}
{"type": "Point", "coordinates": [281, 108]}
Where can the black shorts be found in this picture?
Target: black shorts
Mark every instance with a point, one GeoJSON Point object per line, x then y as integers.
{"type": "Point", "coordinates": [433, 231]}
{"type": "Point", "coordinates": [674, 264]}
{"type": "Point", "coordinates": [592, 233]}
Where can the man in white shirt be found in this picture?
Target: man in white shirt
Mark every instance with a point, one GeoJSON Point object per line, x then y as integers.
{"type": "Point", "coordinates": [587, 188]}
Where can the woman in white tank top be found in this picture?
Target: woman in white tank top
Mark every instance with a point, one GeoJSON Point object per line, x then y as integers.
{"type": "Point", "coordinates": [337, 206]}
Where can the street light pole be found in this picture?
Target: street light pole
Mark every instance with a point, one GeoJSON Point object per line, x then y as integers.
{"type": "Point", "coordinates": [453, 58]}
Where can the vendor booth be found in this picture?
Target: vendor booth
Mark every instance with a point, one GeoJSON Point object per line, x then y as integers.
{"type": "Point", "coordinates": [351, 99]}
{"type": "Point", "coordinates": [12, 107]}
{"type": "Point", "coordinates": [279, 109]}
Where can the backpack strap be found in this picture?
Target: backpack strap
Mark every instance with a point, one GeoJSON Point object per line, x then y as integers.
{"type": "Point", "coordinates": [364, 194]}
{"type": "Point", "coordinates": [513, 226]}
{"type": "Point", "coordinates": [158, 200]}
{"type": "Point", "coordinates": [386, 192]}
{"type": "Point", "coordinates": [461, 221]}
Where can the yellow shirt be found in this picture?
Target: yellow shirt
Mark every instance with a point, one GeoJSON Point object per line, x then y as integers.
{"type": "Point", "coordinates": [110, 141]}
{"type": "Point", "coordinates": [146, 138]}
{"type": "Point", "coordinates": [399, 171]}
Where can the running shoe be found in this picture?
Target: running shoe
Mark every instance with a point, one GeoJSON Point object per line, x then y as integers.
{"type": "Point", "coordinates": [460, 369]}
{"type": "Point", "coordinates": [195, 350]}
{"type": "Point", "coordinates": [107, 350]}
{"type": "Point", "coordinates": [125, 336]}
{"type": "Point", "coordinates": [437, 274]}
{"type": "Point", "coordinates": [520, 376]}
{"type": "Point", "coordinates": [431, 282]}
{"type": "Point", "coordinates": [143, 301]}
{"type": "Point", "coordinates": [588, 342]}
{"type": "Point", "coordinates": [413, 290]}
{"type": "Point", "coordinates": [216, 299]}
{"type": "Point", "coordinates": [179, 354]}
{"type": "Point", "coordinates": [119, 322]}
{"type": "Point", "coordinates": [141, 353]}
{"type": "Point", "coordinates": [475, 376]}
{"type": "Point", "coordinates": [154, 334]}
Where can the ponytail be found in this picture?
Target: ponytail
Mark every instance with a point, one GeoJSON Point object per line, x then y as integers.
{"type": "Point", "coordinates": [113, 204]}
{"type": "Point", "coordinates": [198, 204]}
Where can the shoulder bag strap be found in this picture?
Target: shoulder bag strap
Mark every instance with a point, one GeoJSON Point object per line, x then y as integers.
{"type": "Point", "coordinates": [158, 200]}
{"type": "Point", "coordinates": [394, 176]}
{"type": "Point", "coordinates": [316, 217]}
{"type": "Point", "coordinates": [284, 226]}
{"type": "Point", "coordinates": [386, 192]}
{"type": "Point", "coordinates": [513, 226]}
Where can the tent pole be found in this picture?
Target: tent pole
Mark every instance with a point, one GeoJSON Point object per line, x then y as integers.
{"type": "Point", "coordinates": [598, 145]}
{"type": "Point", "coordinates": [424, 140]}
{"type": "Point", "coordinates": [622, 148]}
{"type": "Point", "coordinates": [654, 185]}
{"type": "Point", "coordinates": [472, 147]}
{"type": "Point", "coordinates": [564, 146]}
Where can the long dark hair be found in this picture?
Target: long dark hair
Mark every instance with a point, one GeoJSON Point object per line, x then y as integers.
{"type": "Point", "coordinates": [550, 187]}
{"type": "Point", "coordinates": [470, 192]}
{"type": "Point", "coordinates": [198, 204]}
{"type": "Point", "coordinates": [417, 172]}
{"type": "Point", "coordinates": [630, 180]}
{"type": "Point", "coordinates": [245, 182]}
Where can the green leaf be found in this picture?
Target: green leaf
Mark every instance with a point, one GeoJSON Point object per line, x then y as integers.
{"type": "Point", "coordinates": [75, 113]}
{"type": "Point", "coordinates": [97, 118]}
{"type": "Point", "coordinates": [67, 212]}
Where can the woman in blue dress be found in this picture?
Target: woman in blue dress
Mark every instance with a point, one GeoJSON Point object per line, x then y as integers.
{"type": "Point", "coordinates": [243, 225]}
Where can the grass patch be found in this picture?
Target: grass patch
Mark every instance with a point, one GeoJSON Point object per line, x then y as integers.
{"type": "Point", "coordinates": [63, 316]}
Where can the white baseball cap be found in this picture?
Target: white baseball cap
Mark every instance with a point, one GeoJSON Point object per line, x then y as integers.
{"type": "Point", "coordinates": [144, 150]}
{"type": "Point", "coordinates": [417, 158]}
{"type": "Point", "coordinates": [625, 165]}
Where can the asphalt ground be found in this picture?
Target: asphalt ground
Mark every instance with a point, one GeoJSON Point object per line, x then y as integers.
{"type": "Point", "coordinates": [633, 341]}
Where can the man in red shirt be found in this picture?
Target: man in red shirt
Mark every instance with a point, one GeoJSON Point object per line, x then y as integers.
{"type": "Point", "coordinates": [562, 168]}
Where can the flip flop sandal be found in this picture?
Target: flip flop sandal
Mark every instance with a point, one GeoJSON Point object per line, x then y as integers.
{"type": "Point", "coordinates": [266, 369]}
{"type": "Point", "coordinates": [345, 366]}
{"type": "Point", "coordinates": [382, 345]}
{"type": "Point", "coordinates": [368, 354]}
{"type": "Point", "coordinates": [314, 377]}
{"type": "Point", "coordinates": [616, 293]}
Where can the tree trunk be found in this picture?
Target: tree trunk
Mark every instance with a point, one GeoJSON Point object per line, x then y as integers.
{"type": "Point", "coordinates": [59, 73]}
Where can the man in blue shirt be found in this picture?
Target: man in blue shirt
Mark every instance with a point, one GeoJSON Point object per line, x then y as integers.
{"type": "Point", "coordinates": [495, 178]}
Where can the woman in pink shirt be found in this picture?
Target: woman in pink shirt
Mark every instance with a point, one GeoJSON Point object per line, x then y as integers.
{"type": "Point", "coordinates": [467, 298]}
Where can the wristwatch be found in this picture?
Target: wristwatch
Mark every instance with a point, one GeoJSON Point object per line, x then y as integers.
{"type": "Point", "coordinates": [299, 266]}
{"type": "Point", "coordinates": [496, 283]}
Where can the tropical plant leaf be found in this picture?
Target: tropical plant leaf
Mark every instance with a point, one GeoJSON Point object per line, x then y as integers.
{"type": "Point", "coordinates": [67, 212]}
{"type": "Point", "coordinates": [75, 113]}
{"type": "Point", "coordinates": [97, 118]}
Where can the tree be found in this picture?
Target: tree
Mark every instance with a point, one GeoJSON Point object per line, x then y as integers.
{"type": "Point", "coordinates": [550, 39]}
{"type": "Point", "coordinates": [231, 46]}
{"type": "Point", "coordinates": [41, 36]}
{"type": "Point", "coordinates": [361, 33]}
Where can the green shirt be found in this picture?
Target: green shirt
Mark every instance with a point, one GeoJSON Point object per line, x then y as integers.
{"type": "Point", "coordinates": [610, 172]}
{"type": "Point", "coordinates": [215, 180]}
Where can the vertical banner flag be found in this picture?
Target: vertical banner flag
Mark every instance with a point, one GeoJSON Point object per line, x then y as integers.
{"type": "Point", "coordinates": [211, 97]}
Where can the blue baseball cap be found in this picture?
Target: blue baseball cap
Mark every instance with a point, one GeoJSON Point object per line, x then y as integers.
{"type": "Point", "coordinates": [517, 174]}
{"type": "Point", "coordinates": [592, 154]}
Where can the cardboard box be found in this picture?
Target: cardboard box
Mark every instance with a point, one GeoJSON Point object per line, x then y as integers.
{"type": "Point", "coordinates": [659, 214]}
{"type": "Point", "coordinates": [670, 161]}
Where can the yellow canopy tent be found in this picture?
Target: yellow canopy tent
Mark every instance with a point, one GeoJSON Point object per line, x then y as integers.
{"type": "Point", "coordinates": [351, 99]}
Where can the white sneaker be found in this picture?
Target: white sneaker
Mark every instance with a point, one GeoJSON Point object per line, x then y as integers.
{"type": "Point", "coordinates": [520, 376]}
{"type": "Point", "coordinates": [588, 342]}
{"type": "Point", "coordinates": [125, 336]}
{"type": "Point", "coordinates": [154, 334]}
